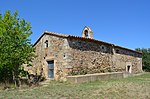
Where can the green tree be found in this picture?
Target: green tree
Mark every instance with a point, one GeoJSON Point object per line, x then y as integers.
{"type": "Point", "coordinates": [146, 58]}
{"type": "Point", "coordinates": [15, 46]}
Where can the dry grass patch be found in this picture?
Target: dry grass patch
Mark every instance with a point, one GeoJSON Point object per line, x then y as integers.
{"type": "Point", "coordinates": [129, 88]}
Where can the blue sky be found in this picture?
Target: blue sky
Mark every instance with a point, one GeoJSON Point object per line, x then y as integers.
{"type": "Point", "coordinates": [122, 22]}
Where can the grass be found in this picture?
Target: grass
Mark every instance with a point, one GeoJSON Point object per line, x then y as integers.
{"type": "Point", "coordinates": [137, 87]}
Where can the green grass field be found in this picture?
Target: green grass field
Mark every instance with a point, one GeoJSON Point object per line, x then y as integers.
{"type": "Point", "coordinates": [129, 88]}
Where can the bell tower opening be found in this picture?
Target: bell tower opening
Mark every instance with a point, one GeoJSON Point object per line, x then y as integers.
{"type": "Point", "coordinates": [87, 33]}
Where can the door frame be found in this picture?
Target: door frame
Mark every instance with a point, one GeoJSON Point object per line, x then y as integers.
{"type": "Point", "coordinates": [48, 69]}
{"type": "Point", "coordinates": [129, 64]}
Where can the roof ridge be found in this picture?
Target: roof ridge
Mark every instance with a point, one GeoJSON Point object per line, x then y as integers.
{"type": "Point", "coordinates": [58, 34]}
{"type": "Point", "coordinates": [80, 37]}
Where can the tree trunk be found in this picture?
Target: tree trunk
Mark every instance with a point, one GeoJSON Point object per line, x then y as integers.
{"type": "Point", "coordinates": [14, 79]}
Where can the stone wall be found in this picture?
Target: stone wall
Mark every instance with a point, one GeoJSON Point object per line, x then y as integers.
{"type": "Point", "coordinates": [57, 50]}
{"type": "Point", "coordinates": [89, 57]}
{"type": "Point", "coordinates": [94, 77]}
{"type": "Point", "coordinates": [124, 57]}
{"type": "Point", "coordinates": [97, 57]}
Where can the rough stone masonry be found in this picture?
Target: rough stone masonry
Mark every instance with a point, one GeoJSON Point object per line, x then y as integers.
{"type": "Point", "coordinates": [60, 55]}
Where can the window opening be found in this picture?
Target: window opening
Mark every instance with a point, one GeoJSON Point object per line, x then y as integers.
{"type": "Point", "coordinates": [64, 55]}
{"type": "Point", "coordinates": [117, 51]}
{"type": "Point", "coordinates": [128, 68]}
{"type": "Point", "coordinates": [46, 44]}
{"type": "Point", "coordinates": [102, 47]}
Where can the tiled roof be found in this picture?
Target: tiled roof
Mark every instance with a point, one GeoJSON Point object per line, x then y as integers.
{"type": "Point", "coordinates": [56, 34]}
{"type": "Point", "coordinates": [82, 38]}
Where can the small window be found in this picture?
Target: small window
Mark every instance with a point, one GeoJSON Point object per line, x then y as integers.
{"type": "Point", "coordinates": [103, 48]}
{"type": "Point", "coordinates": [129, 68]}
{"type": "Point", "coordinates": [64, 56]}
{"type": "Point", "coordinates": [117, 51]}
{"type": "Point", "coordinates": [46, 44]}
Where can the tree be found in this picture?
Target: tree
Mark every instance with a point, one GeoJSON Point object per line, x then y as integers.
{"type": "Point", "coordinates": [146, 58]}
{"type": "Point", "coordinates": [15, 46]}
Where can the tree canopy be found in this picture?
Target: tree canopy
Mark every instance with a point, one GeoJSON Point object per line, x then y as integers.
{"type": "Point", "coordinates": [15, 46]}
{"type": "Point", "coordinates": [146, 58]}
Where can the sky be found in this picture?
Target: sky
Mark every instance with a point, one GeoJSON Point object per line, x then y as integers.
{"type": "Point", "coordinates": [121, 22]}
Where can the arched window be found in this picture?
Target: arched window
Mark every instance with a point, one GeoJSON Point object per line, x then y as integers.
{"type": "Point", "coordinates": [46, 44]}
{"type": "Point", "coordinates": [86, 33]}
